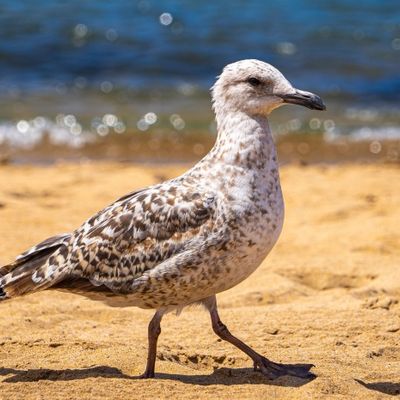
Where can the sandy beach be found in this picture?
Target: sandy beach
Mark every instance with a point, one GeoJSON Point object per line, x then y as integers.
{"type": "Point", "coordinates": [328, 294]}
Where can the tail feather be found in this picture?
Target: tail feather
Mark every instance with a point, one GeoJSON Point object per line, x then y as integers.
{"type": "Point", "coordinates": [46, 246]}
{"type": "Point", "coordinates": [26, 273]}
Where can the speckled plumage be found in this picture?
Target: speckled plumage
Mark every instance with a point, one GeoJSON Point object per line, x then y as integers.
{"type": "Point", "coordinates": [184, 240]}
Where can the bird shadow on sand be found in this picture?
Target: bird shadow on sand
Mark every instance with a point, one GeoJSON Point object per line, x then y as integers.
{"type": "Point", "coordinates": [237, 376]}
{"type": "Point", "coordinates": [34, 375]}
{"type": "Point", "coordinates": [221, 376]}
{"type": "Point", "coordinates": [390, 388]}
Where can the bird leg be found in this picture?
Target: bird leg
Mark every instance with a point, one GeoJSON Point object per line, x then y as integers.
{"type": "Point", "coordinates": [154, 331]}
{"type": "Point", "coordinates": [269, 368]}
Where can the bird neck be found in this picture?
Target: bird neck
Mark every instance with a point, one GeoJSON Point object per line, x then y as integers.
{"type": "Point", "coordinates": [243, 140]}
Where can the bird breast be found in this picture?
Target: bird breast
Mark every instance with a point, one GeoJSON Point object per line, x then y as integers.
{"type": "Point", "coordinates": [253, 209]}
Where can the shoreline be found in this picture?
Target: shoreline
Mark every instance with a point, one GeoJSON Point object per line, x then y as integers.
{"type": "Point", "coordinates": [156, 149]}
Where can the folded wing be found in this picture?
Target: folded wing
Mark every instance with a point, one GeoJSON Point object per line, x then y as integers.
{"type": "Point", "coordinates": [138, 232]}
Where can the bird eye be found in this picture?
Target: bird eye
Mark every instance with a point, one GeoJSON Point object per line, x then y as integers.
{"type": "Point", "coordinates": [254, 81]}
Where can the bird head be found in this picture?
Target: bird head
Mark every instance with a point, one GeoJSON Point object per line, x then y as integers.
{"type": "Point", "coordinates": [257, 88]}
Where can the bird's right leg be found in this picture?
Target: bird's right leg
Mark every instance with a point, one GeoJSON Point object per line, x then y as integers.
{"type": "Point", "coordinates": [154, 331]}
{"type": "Point", "coordinates": [269, 368]}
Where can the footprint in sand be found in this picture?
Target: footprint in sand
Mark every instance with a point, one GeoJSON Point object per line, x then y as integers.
{"type": "Point", "coordinates": [319, 280]}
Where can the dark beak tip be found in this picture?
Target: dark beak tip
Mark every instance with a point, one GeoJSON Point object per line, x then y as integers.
{"type": "Point", "coordinates": [319, 104]}
{"type": "Point", "coordinates": [309, 100]}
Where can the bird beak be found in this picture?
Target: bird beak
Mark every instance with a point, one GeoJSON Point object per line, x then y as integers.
{"type": "Point", "coordinates": [306, 99]}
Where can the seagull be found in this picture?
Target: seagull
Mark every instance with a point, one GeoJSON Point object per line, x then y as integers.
{"type": "Point", "coordinates": [182, 241]}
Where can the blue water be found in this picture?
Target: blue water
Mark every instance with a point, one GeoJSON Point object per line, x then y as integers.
{"type": "Point", "coordinates": [335, 46]}
{"type": "Point", "coordinates": [87, 57]}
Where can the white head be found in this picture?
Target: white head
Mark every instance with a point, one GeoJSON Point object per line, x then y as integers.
{"type": "Point", "coordinates": [256, 88]}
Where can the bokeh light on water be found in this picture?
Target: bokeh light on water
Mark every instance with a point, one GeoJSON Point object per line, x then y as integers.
{"type": "Point", "coordinates": [80, 74]}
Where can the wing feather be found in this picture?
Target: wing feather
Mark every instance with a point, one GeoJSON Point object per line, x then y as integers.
{"type": "Point", "coordinates": [140, 231]}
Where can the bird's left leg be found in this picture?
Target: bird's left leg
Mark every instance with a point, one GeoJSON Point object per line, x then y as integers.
{"type": "Point", "coordinates": [154, 331]}
{"type": "Point", "coordinates": [269, 368]}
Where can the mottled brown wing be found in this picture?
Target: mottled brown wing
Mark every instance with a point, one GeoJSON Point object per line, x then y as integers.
{"type": "Point", "coordinates": [138, 232]}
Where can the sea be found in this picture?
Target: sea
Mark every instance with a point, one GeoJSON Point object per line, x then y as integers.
{"type": "Point", "coordinates": [130, 79]}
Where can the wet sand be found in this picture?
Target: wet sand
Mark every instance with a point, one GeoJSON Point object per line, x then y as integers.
{"type": "Point", "coordinates": [328, 294]}
{"type": "Point", "coordinates": [155, 148]}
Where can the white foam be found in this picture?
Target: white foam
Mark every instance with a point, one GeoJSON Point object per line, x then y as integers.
{"type": "Point", "coordinates": [375, 133]}
{"type": "Point", "coordinates": [26, 134]}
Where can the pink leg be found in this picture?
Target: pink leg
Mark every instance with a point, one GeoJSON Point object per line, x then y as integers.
{"type": "Point", "coordinates": [269, 368]}
{"type": "Point", "coordinates": [154, 331]}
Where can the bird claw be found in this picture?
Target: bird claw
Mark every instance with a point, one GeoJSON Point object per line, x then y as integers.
{"type": "Point", "coordinates": [274, 370]}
